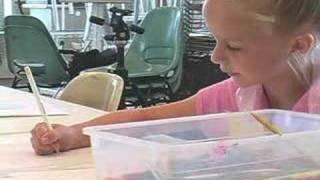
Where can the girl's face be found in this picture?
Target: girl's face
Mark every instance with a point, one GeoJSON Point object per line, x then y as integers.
{"type": "Point", "coordinates": [246, 48]}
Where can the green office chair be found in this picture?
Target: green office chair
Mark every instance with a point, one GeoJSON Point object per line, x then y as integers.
{"type": "Point", "coordinates": [154, 59]}
{"type": "Point", "coordinates": [28, 43]}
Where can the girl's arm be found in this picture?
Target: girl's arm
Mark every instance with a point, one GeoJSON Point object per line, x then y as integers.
{"type": "Point", "coordinates": [177, 109]}
{"type": "Point", "coordinates": [66, 138]}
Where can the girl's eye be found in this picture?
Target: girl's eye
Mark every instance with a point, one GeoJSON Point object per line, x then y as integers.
{"type": "Point", "coordinates": [233, 48]}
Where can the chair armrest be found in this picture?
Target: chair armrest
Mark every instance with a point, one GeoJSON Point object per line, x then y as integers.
{"type": "Point", "coordinates": [36, 68]}
{"type": "Point", "coordinates": [67, 51]}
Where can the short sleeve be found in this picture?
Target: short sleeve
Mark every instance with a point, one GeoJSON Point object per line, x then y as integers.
{"type": "Point", "coordinates": [217, 98]}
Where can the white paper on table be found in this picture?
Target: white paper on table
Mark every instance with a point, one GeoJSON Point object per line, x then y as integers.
{"type": "Point", "coordinates": [15, 108]}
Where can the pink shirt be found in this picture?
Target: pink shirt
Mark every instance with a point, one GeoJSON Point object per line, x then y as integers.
{"type": "Point", "coordinates": [224, 97]}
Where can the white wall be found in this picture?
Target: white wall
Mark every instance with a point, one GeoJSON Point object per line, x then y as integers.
{"type": "Point", "coordinates": [7, 5]}
{"type": "Point", "coordinates": [1, 13]}
{"type": "Point", "coordinates": [5, 9]}
{"type": "Point", "coordinates": [4, 71]}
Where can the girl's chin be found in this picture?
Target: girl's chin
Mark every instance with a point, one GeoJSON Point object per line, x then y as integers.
{"type": "Point", "coordinates": [242, 83]}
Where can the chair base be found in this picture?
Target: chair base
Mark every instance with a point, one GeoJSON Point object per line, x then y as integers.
{"type": "Point", "coordinates": [21, 82]}
{"type": "Point", "coordinates": [148, 94]}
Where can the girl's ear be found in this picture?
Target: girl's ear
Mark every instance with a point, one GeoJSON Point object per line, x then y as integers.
{"type": "Point", "coordinates": [303, 43]}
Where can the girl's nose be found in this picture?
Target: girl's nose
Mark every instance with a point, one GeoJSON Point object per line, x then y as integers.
{"type": "Point", "coordinates": [218, 54]}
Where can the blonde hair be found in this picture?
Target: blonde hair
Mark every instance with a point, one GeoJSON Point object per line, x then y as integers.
{"type": "Point", "coordinates": [288, 14]}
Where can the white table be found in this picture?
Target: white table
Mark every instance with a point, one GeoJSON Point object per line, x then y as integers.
{"type": "Point", "coordinates": [17, 159]}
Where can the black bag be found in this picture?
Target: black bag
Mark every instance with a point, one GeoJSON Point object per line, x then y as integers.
{"type": "Point", "coordinates": [90, 59]}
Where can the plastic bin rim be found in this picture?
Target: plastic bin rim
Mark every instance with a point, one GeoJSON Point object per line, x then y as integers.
{"type": "Point", "coordinates": [197, 117]}
{"type": "Point", "coordinates": [96, 130]}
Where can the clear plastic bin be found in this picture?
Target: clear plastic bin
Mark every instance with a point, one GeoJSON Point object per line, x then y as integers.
{"type": "Point", "coordinates": [218, 146]}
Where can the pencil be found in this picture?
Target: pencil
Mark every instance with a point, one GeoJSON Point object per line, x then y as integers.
{"type": "Point", "coordinates": [38, 100]}
{"type": "Point", "coordinates": [266, 122]}
{"type": "Point", "coordinates": [37, 96]}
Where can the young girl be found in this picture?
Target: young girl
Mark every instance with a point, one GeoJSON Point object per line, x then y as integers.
{"type": "Point", "coordinates": [268, 47]}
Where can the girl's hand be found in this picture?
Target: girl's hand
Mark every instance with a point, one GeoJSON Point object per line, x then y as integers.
{"type": "Point", "coordinates": [62, 138]}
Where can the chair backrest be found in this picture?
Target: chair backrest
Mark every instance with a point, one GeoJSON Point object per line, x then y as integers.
{"type": "Point", "coordinates": [24, 20]}
{"type": "Point", "coordinates": [161, 44]}
{"type": "Point", "coordinates": [28, 41]}
{"type": "Point", "coordinates": [99, 90]}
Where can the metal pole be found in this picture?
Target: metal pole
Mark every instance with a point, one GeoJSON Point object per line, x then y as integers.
{"type": "Point", "coordinates": [89, 7]}
{"type": "Point", "coordinates": [63, 16]}
{"type": "Point", "coordinates": [55, 15]}
{"type": "Point", "coordinates": [136, 11]}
